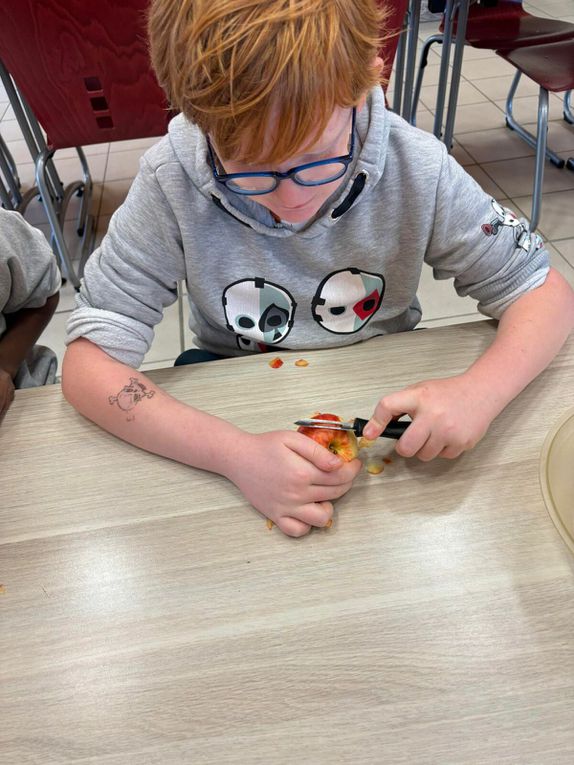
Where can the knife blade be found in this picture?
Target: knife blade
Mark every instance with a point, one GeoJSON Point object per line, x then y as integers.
{"type": "Point", "coordinates": [394, 429]}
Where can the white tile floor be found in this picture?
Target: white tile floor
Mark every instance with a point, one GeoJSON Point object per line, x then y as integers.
{"type": "Point", "coordinates": [500, 161]}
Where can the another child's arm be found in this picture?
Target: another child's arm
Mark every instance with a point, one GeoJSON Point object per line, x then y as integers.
{"type": "Point", "coordinates": [29, 283]}
{"type": "Point", "coordinates": [23, 328]}
{"type": "Point", "coordinates": [451, 415]}
{"type": "Point", "coordinates": [285, 475]}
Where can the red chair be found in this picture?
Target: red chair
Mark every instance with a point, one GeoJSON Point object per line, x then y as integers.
{"type": "Point", "coordinates": [551, 66]}
{"type": "Point", "coordinates": [82, 70]}
{"type": "Point", "coordinates": [507, 24]}
{"type": "Point", "coordinates": [495, 25]}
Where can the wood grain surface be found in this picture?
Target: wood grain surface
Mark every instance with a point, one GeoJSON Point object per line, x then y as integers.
{"type": "Point", "coordinates": [149, 616]}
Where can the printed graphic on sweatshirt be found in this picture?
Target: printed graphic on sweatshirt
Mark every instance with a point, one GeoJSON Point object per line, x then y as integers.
{"type": "Point", "coordinates": [246, 344]}
{"type": "Point", "coordinates": [258, 310]}
{"type": "Point", "coordinates": [346, 300]}
{"type": "Point", "coordinates": [505, 217]}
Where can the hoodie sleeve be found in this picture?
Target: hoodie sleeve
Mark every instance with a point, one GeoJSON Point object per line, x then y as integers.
{"type": "Point", "coordinates": [132, 276]}
{"type": "Point", "coordinates": [483, 246]}
{"type": "Point", "coordinates": [29, 273]}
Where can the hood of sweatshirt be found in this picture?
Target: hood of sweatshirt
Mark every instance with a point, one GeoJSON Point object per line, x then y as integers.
{"type": "Point", "coordinates": [372, 135]}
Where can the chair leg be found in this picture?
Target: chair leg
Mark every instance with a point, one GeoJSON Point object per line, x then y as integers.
{"type": "Point", "coordinates": [510, 99]}
{"type": "Point", "coordinates": [568, 113]}
{"type": "Point", "coordinates": [449, 15]}
{"type": "Point", "coordinates": [86, 221]}
{"type": "Point", "coordinates": [512, 124]}
{"type": "Point", "coordinates": [5, 198]}
{"type": "Point", "coordinates": [86, 191]}
{"type": "Point", "coordinates": [414, 14]}
{"type": "Point", "coordinates": [541, 137]}
{"type": "Point", "coordinates": [462, 21]}
{"type": "Point", "coordinates": [10, 159]}
{"type": "Point", "coordinates": [428, 43]}
{"type": "Point", "coordinates": [53, 217]}
{"type": "Point", "coordinates": [12, 197]}
{"type": "Point", "coordinates": [399, 69]}
{"type": "Point", "coordinates": [7, 168]}
{"type": "Point", "coordinates": [30, 128]}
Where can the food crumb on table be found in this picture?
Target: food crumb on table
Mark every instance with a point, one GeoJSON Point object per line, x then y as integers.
{"type": "Point", "coordinates": [270, 524]}
{"type": "Point", "coordinates": [301, 363]}
{"type": "Point", "coordinates": [276, 363]}
{"type": "Point", "coordinates": [374, 468]}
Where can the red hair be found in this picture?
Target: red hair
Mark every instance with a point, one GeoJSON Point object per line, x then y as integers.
{"type": "Point", "coordinates": [234, 67]}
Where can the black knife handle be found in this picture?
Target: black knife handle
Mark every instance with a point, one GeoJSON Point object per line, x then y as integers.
{"type": "Point", "coordinates": [394, 429]}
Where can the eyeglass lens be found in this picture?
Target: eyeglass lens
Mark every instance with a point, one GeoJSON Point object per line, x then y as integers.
{"type": "Point", "coordinates": [311, 176]}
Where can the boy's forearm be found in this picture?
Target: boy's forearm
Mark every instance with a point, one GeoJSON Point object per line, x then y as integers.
{"type": "Point", "coordinates": [95, 384]}
{"type": "Point", "coordinates": [23, 329]}
{"type": "Point", "coordinates": [530, 333]}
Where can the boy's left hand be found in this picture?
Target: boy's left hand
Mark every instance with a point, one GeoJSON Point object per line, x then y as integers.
{"type": "Point", "coordinates": [449, 416]}
{"type": "Point", "coordinates": [6, 392]}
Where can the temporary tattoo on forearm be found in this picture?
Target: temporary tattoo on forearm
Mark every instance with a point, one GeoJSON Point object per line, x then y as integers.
{"type": "Point", "coordinates": [130, 395]}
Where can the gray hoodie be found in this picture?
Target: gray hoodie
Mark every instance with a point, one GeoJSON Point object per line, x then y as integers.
{"type": "Point", "coordinates": [28, 277]}
{"type": "Point", "coordinates": [349, 273]}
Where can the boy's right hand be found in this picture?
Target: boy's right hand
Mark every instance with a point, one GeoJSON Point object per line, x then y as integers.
{"type": "Point", "coordinates": [6, 392]}
{"type": "Point", "coordinates": [291, 479]}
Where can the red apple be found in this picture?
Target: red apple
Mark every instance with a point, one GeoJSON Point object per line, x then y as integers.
{"type": "Point", "coordinates": [340, 442]}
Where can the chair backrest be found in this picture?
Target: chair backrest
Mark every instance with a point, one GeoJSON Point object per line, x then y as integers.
{"type": "Point", "coordinates": [83, 66]}
{"type": "Point", "coordinates": [509, 25]}
{"type": "Point", "coordinates": [396, 10]}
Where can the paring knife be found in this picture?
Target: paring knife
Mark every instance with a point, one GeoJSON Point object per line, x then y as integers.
{"type": "Point", "coordinates": [394, 429]}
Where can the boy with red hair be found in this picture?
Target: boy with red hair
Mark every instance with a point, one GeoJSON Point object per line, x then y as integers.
{"type": "Point", "coordinates": [300, 213]}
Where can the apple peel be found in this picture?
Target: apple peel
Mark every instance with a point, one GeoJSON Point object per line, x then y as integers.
{"type": "Point", "coordinates": [343, 443]}
{"type": "Point", "coordinates": [374, 468]}
{"type": "Point", "coordinates": [276, 363]}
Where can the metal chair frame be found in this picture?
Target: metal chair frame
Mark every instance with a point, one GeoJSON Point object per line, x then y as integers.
{"type": "Point", "coordinates": [405, 103]}
{"type": "Point", "coordinates": [11, 195]}
{"type": "Point", "coordinates": [55, 197]}
{"type": "Point", "coordinates": [510, 120]}
{"type": "Point", "coordinates": [512, 124]}
{"type": "Point", "coordinates": [539, 142]}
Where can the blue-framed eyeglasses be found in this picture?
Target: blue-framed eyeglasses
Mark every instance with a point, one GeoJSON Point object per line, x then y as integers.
{"type": "Point", "coordinates": [311, 174]}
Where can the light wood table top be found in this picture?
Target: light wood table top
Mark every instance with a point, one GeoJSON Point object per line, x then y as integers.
{"type": "Point", "coordinates": [150, 617]}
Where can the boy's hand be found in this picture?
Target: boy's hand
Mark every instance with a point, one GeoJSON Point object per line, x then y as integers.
{"type": "Point", "coordinates": [291, 479]}
{"type": "Point", "coordinates": [449, 416]}
{"type": "Point", "coordinates": [6, 392]}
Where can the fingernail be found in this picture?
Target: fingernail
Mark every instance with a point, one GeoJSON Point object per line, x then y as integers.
{"type": "Point", "coordinates": [334, 461]}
